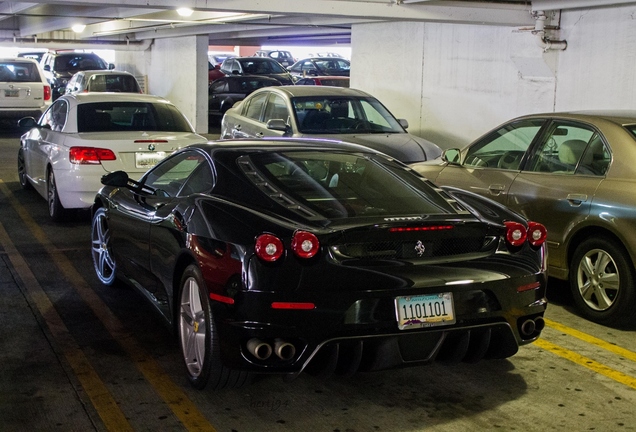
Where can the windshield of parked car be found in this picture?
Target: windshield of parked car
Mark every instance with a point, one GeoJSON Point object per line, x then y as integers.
{"type": "Point", "coordinates": [339, 185]}
{"type": "Point", "coordinates": [78, 61]}
{"type": "Point", "coordinates": [16, 71]}
{"type": "Point", "coordinates": [258, 65]}
{"type": "Point", "coordinates": [130, 116]}
{"type": "Point", "coordinates": [338, 115]}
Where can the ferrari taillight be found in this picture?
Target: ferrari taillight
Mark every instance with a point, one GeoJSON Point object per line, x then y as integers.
{"type": "Point", "coordinates": [90, 155]}
{"type": "Point", "coordinates": [268, 247]}
{"type": "Point", "coordinates": [305, 244]}
{"type": "Point", "coordinates": [516, 233]}
{"type": "Point", "coordinates": [536, 233]}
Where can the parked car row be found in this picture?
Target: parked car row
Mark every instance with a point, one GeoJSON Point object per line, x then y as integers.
{"type": "Point", "coordinates": [317, 206]}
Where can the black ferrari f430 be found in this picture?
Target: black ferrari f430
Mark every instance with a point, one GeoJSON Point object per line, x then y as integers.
{"type": "Point", "coordinates": [284, 256]}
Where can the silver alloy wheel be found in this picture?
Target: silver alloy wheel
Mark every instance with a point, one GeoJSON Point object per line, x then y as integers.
{"type": "Point", "coordinates": [100, 248]}
{"type": "Point", "coordinates": [598, 279]}
{"type": "Point", "coordinates": [192, 327]}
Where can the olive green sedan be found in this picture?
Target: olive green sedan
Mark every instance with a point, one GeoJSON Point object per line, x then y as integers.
{"type": "Point", "coordinates": [576, 174]}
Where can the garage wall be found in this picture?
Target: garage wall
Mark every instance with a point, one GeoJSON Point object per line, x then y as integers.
{"type": "Point", "coordinates": [470, 78]}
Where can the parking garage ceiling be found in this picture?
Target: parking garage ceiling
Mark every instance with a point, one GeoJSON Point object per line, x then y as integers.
{"type": "Point", "coordinates": [251, 22]}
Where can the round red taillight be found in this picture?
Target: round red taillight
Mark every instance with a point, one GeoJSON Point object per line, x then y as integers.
{"type": "Point", "coordinates": [305, 244]}
{"type": "Point", "coordinates": [516, 233]}
{"type": "Point", "coordinates": [536, 233]}
{"type": "Point", "coordinates": [268, 247]}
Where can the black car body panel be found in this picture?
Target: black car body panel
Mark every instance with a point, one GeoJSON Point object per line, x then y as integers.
{"type": "Point", "coordinates": [338, 307]}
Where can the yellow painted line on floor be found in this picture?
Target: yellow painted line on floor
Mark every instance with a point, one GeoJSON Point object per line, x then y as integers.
{"type": "Point", "coordinates": [106, 406]}
{"type": "Point", "coordinates": [630, 355]}
{"type": "Point", "coordinates": [172, 395]}
{"type": "Point", "coordinates": [587, 362]}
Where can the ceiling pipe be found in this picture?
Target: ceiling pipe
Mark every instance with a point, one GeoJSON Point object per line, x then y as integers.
{"type": "Point", "coordinates": [126, 45]}
{"type": "Point", "coordinates": [542, 40]}
{"type": "Point", "coordinates": [544, 5]}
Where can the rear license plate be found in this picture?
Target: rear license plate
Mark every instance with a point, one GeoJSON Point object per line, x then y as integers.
{"type": "Point", "coordinates": [11, 93]}
{"type": "Point", "coordinates": [148, 159]}
{"type": "Point", "coordinates": [425, 310]}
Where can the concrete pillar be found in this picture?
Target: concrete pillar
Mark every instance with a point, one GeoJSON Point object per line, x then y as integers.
{"type": "Point", "coordinates": [178, 71]}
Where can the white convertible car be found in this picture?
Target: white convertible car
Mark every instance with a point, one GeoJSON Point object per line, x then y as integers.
{"type": "Point", "coordinates": [82, 137]}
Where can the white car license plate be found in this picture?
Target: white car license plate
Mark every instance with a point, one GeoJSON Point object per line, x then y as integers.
{"type": "Point", "coordinates": [11, 93]}
{"type": "Point", "coordinates": [148, 159]}
{"type": "Point", "coordinates": [425, 310]}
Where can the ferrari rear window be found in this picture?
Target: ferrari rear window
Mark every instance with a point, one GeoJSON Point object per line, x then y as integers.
{"type": "Point", "coordinates": [130, 116]}
{"type": "Point", "coordinates": [339, 185]}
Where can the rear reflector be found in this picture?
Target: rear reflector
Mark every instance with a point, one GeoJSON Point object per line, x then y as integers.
{"type": "Point", "coordinates": [290, 305]}
{"type": "Point", "coordinates": [529, 287]}
{"type": "Point", "coordinates": [222, 299]}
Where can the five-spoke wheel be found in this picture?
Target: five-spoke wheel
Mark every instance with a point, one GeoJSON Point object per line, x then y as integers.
{"type": "Point", "coordinates": [198, 336]}
{"type": "Point", "coordinates": [101, 249]}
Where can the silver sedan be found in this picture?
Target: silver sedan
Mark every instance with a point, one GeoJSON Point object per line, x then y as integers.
{"type": "Point", "coordinates": [336, 113]}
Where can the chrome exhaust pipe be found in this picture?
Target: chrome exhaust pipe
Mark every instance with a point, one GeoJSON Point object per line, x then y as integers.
{"type": "Point", "coordinates": [528, 327]}
{"type": "Point", "coordinates": [539, 324]}
{"type": "Point", "coordinates": [284, 350]}
{"type": "Point", "coordinates": [259, 349]}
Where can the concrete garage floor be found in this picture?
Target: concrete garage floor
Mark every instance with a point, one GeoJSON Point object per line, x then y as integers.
{"type": "Point", "coordinates": [78, 356]}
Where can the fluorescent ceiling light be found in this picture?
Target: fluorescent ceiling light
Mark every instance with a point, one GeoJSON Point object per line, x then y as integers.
{"type": "Point", "coordinates": [185, 12]}
{"type": "Point", "coordinates": [78, 28]}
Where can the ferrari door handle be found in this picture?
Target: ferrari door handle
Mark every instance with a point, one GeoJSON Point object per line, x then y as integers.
{"type": "Point", "coordinates": [576, 199]}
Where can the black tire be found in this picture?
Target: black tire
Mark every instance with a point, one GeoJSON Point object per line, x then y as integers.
{"type": "Point", "coordinates": [22, 175]}
{"type": "Point", "coordinates": [602, 281]}
{"type": "Point", "coordinates": [198, 338]}
{"type": "Point", "coordinates": [103, 260]}
{"type": "Point", "coordinates": [56, 211]}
